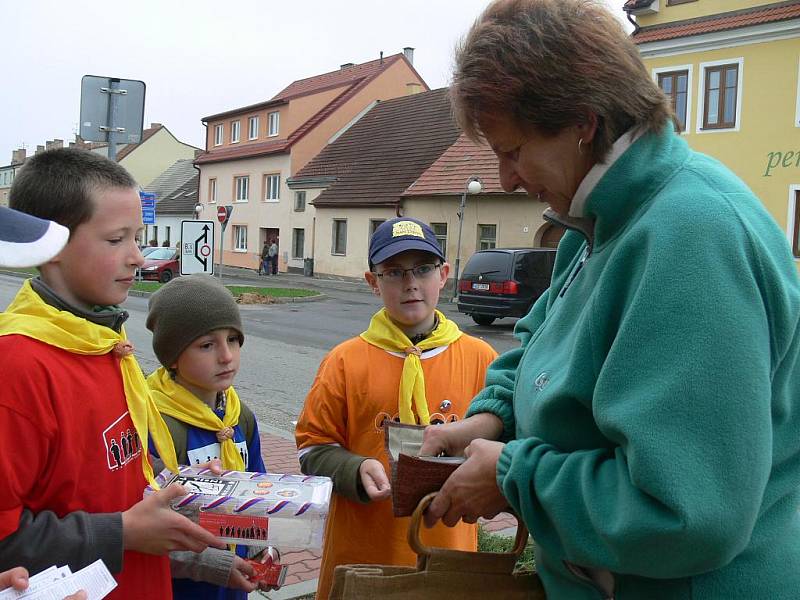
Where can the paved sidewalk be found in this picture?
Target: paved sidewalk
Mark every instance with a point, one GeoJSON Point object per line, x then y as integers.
{"type": "Point", "coordinates": [280, 456]}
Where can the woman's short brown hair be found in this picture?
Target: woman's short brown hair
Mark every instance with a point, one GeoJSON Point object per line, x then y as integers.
{"type": "Point", "coordinates": [548, 64]}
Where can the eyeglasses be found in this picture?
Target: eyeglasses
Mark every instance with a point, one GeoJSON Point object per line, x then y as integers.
{"type": "Point", "coordinates": [425, 271]}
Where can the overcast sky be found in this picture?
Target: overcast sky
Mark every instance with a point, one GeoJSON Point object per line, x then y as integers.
{"type": "Point", "coordinates": [201, 57]}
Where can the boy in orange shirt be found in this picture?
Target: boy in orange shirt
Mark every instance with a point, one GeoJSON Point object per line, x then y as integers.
{"type": "Point", "coordinates": [413, 365]}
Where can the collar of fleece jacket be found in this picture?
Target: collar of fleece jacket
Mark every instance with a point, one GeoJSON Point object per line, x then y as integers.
{"type": "Point", "coordinates": [632, 181]}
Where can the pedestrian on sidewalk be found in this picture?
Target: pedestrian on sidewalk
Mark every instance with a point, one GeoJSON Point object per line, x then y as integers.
{"type": "Point", "coordinates": [646, 429]}
{"type": "Point", "coordinates": [412, 364]}
{"type": "Point", "coordinates": [273, 256]}
{"type": "Point", "coordinates": [264, 262]}
{"type": "Point", "coordinates": [199, 351]}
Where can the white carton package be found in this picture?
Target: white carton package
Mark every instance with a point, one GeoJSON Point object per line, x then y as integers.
{"type": "Point", "coordinates": [256, 509]}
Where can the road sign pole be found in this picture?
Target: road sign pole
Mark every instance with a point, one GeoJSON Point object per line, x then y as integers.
{"type": "Point", "coordinates": [112, 119]}
{"type": "Point", "coordinates": [223, 215]}
{"type": "Point", "coordinates": [221, 243]}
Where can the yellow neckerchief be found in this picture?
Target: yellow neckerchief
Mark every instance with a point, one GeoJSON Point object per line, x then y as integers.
{"type": "Point", "coordinates": [32, 317]}
{"type": "Point", "coordinates": [384, 334]}
{"type": "Point", "coordinates": [176, 401]}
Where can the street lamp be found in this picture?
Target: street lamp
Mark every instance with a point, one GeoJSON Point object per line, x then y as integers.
{"type": "Point", "coordinates": [473, 185]}
{"type": "Point", "coordinates": [197, 210]}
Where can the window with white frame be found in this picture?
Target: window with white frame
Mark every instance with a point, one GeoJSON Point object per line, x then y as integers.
{"type": "Point", "coordinates": [793, 222]}
{"type": "Point", "coordinates": [241, 186]}
{"type": "Point", "coordinates": [487, 237]}
{"type": "Point", "coordinates": [219, 132]}
{"type": "Point", "coordinates": [720, 95]}
{"type": "Point", "coordinates": [675, 85]}
{"type": "Point", "coordinates": [240, 238]}
{"type": "Point", "coordinates": [212, 189]}
{"type": "Point", "coordinates": [797, 110]}
{"type": "Point", "coordinates": [252, 128]}
{"type": "Point", "coordinates": [235, 131]}
{"type": "Point", "coordinates": [272, 186]}
{"type": "Point", "coordinates": [298, 242]}
{"type": "Point", "coordinates": [299, 201]}
{"type": "Point", "coordinates": [374, 224]}
{"type": "Point", "coordinates": [440, 231]}
{"type": "Point", "coordinates": [273, 123]}
{"type": "Point", "coordinates": [339, 243]}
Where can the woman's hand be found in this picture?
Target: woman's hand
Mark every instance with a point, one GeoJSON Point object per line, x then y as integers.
{"type": "Point", "coordinates": [451, 439]}
{"type": "Point", "coordinates": [471, 491]}
{"type": "Point", "coordinates": [374, 480]}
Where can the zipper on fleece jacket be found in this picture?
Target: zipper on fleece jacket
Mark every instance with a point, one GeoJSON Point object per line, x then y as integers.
{"type": "Point", "coordinates": [585, 227]}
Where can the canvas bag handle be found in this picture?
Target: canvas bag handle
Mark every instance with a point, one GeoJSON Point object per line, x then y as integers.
{"type": "Point", "coordinates": [425, 551]}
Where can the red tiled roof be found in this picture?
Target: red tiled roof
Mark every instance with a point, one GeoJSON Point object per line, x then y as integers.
{"type": "Point", "coordinates": [758, 15]}
{"type": "Point", "coordinates": [451, 171]}
{"type": "Point", "coordinates": [250, 150]}
{"type": "Point", "coordinates": [355, 78]}
{"type": "Point", "coordinates": [384, 152]}
{"type": "Point", "coordinates": [338, 78]}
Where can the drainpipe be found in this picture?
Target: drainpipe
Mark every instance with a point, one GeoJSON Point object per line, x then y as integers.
{"type": "Point", "coordinates": [636, 27]}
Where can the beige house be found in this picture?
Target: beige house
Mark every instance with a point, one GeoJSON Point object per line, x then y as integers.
{"type": "Point", "coordinates": [157, 151]}
{"type": "Point", "coordinates": [148, 159]}
{"type": "Point", "coordinates": [406, 157]}
{"type": "Point", "coordinates": [252, 151]}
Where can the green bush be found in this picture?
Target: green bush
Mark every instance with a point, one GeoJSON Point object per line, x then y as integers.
{"type": "Point", "coordinates": [492, 542]}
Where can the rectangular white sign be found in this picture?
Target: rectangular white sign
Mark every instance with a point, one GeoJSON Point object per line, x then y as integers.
{"type": "Point", "coordinates": [197, 247]}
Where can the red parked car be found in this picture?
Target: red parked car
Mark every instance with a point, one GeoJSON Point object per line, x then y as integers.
{"type": "Point", "coordinates": [160, 265]}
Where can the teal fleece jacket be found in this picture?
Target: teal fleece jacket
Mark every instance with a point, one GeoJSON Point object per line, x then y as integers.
{"type": "Point", "coordinates": [652, 411]}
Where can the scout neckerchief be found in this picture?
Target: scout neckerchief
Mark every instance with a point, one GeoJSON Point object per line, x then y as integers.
{"type": "Point", "coordinates": [384, 334]}
{"type": "Point", "coordinates": [32, 317]}
{"type": "Point", "coordinates": [176, 401]}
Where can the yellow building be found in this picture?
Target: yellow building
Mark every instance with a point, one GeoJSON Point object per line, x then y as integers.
{"type": "Point", "coordinates": [732, 71]}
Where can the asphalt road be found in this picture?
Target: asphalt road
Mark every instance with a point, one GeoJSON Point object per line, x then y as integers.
{"type": "Point", "coordinates": [284, 343]}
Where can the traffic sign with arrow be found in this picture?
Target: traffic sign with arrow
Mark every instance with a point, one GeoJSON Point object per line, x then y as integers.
{"type": "Point", "coordinates": [197, 247]}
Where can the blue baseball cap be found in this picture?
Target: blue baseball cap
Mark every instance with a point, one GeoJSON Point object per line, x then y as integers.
{"type": "Point", "coordinates": [28, 241]}
{"type": "Point", "coordinates": [400, 234]}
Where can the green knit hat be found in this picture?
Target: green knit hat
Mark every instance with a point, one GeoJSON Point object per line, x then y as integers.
{"type": "Point", "coordinates": [186, 308]}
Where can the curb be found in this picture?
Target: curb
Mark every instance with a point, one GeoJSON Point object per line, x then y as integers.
{"type": "Point", "coordinates": [280, 300]}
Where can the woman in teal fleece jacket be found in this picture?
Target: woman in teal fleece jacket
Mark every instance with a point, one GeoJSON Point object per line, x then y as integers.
{"type": "Point", "coordinates": [647, 429]}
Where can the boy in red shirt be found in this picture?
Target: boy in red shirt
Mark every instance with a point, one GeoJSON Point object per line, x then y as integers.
{"type": "Point", "coordinates": [413, 365]}
{"type": "Point", "coordinates": [75, 411]}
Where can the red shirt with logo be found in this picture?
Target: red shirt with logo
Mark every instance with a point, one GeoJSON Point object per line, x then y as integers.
{"type": "Point", "coordinates": [67, 443]}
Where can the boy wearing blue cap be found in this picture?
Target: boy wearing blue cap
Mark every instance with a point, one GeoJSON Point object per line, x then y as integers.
{"type": "Point", "coordinates": [411, 365]}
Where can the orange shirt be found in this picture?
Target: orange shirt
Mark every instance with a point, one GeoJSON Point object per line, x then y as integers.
{"type": "Point", "coordinates": [356, 388]}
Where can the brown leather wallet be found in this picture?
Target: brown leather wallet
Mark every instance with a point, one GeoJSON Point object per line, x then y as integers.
{"type": "Point", "coordinates": [413, 476]}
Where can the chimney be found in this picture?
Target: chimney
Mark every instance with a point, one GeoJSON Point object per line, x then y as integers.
{"type": "Point", "coordinates": [381, 56]}
{"type": "Point", "coordinates": [48, 145]}
{"type": "Point", "coordinates": [347, 66]}
{"type": "Point", "coordinates": [155, 125]}
{"type": "Point", "coordinates": [58, 143]}
{"type": "Point", "coordinates": [18, 156]}
{"type": "Point", "coordinates": [408, 52]}
{"type": "Point", "coordinates": [39, 149]}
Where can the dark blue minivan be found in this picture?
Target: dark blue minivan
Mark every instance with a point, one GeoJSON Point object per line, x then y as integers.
{"type": "Point", "coordinates": [504, 282]}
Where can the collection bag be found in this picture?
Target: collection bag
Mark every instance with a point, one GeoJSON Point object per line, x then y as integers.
{"type": "Point", "coordinates": [441, 574]}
